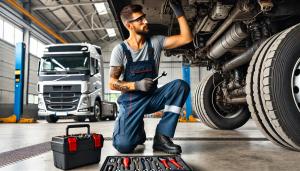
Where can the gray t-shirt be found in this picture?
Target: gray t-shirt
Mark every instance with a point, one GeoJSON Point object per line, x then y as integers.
{"type": "Point", "coordinates": [118, 55]}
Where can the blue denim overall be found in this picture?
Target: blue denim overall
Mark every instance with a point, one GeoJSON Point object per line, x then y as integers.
{"type": "Point", "coordinates": [129, 127]}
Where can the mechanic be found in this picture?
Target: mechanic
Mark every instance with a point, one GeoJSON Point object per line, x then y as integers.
{"type": "Point", "coordinates": [133, 65]}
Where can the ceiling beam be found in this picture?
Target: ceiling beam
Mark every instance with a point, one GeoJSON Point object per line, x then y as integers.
{"type": "Point", "coordinates": [73, 36]}
{"type": "Point", "coordinates": [72, 19]}
{"type": "Point", "coordinates": [89, 23]}
{"type": "Point", "coordinates": [66, 5]}
{"type": "Point", "coordinates": [81, 30]}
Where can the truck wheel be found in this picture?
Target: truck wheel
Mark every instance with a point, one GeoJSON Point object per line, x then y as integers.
{"type": "Point", "coordinates": [80, 118]}
{"type": "Point", "coordinates": [51, 119]}
{"type": "Point", "coordinates": [115, 115]}
{"type": "Point", "coordinates": [93, 119]}
{"type": "Point", "coordinates": [214, 113]}
{"type": "Point", "coordinates": [273, 82]}
{"type": "Point", "coordinates": [97, 112]}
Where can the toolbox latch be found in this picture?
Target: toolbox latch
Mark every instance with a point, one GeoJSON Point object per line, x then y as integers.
{"type": "Point", "coordinates": [97, 140]}
{"type": "Point", "coordinates": [72, 143]}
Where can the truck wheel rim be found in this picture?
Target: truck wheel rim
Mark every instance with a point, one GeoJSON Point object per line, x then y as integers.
{"type": "Point", "coordinates": [296, 84]}
{"type": "Point", "coordinates": [97, 111]}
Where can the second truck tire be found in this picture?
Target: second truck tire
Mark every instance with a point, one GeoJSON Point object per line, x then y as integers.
{"type": "Point", "coordinates": [214, 114]}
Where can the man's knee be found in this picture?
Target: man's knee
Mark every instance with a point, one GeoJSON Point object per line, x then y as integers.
{"type": "Point", "coordinates": [182, 85]}
{"type": "Point", "coordinates": [124, 146]}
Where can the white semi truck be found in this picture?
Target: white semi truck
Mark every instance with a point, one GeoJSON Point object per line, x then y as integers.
{"type": "Point", "coordinates": [71, 84]}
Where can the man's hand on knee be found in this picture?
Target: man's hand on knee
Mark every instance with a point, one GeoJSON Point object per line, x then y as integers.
{"type": "Point", "coordinates": [144, 85]}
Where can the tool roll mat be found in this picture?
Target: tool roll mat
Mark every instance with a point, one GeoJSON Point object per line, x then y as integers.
{"type": "Point", "coordinates": [144, 163]}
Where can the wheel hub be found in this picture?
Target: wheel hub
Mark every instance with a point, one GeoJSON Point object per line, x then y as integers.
{"type": "Point", "coordinates": [296, 84]}
{"type": "Point", "coordinates": [224, 109]}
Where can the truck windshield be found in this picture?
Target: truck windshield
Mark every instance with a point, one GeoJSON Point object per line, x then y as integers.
{"type": "Point", "coordinates": [64, 63]}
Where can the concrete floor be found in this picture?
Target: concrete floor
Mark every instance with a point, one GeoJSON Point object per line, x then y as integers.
{"type": "Point", "coordinates": [203, 148]}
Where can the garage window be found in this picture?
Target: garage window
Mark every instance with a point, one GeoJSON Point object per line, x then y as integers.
{"type": "Point", "coordinates": [33, 46]}
{"type": "Point", "coordinates": [18, 35]}
{"type": "Point", "coordinates": [9, 33]}
{"type": "Point", "coordinates": [1, 28]}
{"type": "Point", "coordinates": [32, 99]}
{"type": "Point", "coordinates": [36, 47]}
{"type": "Point", "coordinates": [40, 49]}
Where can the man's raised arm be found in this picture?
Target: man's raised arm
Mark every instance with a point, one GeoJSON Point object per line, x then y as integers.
{"type": "Point", "coordinates": [185, 35]}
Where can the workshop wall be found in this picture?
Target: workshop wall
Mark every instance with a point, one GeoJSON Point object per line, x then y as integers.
{"type": "Point", "coordinates": [7, 67]}
{"type": "Point", "coordinates": [33, 77]}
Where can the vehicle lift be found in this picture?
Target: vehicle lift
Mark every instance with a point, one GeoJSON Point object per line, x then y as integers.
{"type": "Point", "coordinates": [187, 114]}
{"type": "Point", "coordinates": [19, 88]}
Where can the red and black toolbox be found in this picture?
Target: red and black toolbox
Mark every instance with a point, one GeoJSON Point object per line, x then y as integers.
{"type": "Point", "coordinates": [71, 151]}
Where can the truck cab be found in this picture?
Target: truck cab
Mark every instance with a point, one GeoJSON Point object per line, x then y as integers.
{"type": "Point", "coordinates": [71, 84]}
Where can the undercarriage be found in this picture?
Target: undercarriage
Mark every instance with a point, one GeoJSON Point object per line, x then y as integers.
{"type": "Point", "coordinates": [252, 49]}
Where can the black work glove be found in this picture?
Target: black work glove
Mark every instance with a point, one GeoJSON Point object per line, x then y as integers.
{"type": "Point", "coordinates": [177, 7]}
{"type": "Point", "coordinates": [145, 84]}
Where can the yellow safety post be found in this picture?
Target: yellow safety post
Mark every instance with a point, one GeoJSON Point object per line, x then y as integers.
{"type": "Point", "coordinates": [10, 119]}
{"type": "Point", "coordinates": [13, 119]}
{"type": "Point", "coordinates": [191, 118]}
{"type": "Point", "coordinates": [27, 120]}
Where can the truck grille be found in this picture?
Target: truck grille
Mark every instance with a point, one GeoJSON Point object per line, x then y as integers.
{"type": "Point", "coordinates": [62, 97]}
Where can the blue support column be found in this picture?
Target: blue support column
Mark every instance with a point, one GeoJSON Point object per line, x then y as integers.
{"type": "Point", "coordinates": [19, 80]}
{"type": "Point", "coordinates": [186, 77]}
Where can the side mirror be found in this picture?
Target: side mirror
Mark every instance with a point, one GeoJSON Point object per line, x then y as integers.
{"type": "Point", "coordinates": [91, 73]}
{"type": "Point", "coordinates": [38, 72]}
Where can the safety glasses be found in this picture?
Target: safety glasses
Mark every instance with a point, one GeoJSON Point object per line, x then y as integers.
{"type": "Point", "coordinates": [140, 19]}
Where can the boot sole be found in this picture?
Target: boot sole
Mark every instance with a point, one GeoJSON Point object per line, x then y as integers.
{"type": "Point", "coordinates": [158, 149]}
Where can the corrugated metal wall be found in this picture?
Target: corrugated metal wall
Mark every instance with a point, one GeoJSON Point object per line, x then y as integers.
{"type": "Point", "coordinates": [7, 67]}
{"type": "Point", "coordinates": [33, 77]}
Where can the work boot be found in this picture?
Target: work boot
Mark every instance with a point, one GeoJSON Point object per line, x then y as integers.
{"type": "Point", "coordinates": [165, 144]}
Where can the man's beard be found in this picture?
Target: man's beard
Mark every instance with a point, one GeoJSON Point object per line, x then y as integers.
{"type": "Point", "coordinates": [143, 32]}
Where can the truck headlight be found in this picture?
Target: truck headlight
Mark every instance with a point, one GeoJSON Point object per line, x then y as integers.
{"type": "Point", "coordinates": [41, 104]}
{"type": "Point", "coordinates": [85, 103]}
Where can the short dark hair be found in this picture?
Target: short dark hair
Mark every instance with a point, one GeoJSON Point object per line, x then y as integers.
{"type": "Point", "coordinates": [126, 12]}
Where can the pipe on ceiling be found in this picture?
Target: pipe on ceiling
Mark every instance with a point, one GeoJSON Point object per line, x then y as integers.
{"type": "Point", "coordinates": [18, 7]}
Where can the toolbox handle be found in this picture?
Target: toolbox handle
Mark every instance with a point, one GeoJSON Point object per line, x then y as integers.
{"type": "Point", "coordinates": [78, 126]}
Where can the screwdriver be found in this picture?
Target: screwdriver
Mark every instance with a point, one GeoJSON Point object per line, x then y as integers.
{"type": "Point", "coordinates": [173, 161]}
{"type": "Point", "coordinates": [164, 162]}
{"type": "Point", "coordinates": [126, 162]}
{"type": "Point", "coordinates": [162, 74]}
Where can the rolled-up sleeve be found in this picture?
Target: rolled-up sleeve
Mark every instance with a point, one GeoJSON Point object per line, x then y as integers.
{"type": "Point", "coordinates": [116, 58]}
{"type": "Point", "coordinates": [158, 41]}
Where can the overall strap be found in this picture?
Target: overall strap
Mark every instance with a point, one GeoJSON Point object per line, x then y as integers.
{"type": "Point", "coordinates": [127, 52]}
{"type": "Point", "coordinates": [150, 49]}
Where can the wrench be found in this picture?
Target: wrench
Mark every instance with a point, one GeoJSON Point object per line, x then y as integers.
{"type": "Point", "coordinates": [162, 74]}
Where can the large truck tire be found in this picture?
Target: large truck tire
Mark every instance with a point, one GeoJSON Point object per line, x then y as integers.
{"type": "Point", "coordinates": [115, 114]}
{"type": "Point", "coordinates": [97, 112]}
{"type": "Point", "coordinates": [80, 118]}
{"type": "Point", "coordinates": [51, 119]}
{"type": "Point", "coordinates": [272, 87]}
{"type": "Point", "coordinates": [214, 114]}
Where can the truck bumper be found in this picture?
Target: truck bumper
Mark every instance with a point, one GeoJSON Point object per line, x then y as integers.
{"type": "Point", "coordinates": [44, 113]}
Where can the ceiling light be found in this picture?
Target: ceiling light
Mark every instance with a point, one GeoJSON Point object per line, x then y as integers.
{"type": "Point", "coordinates": [101, 9]}
{"type": "Point", "coordinates": [111, 32]}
